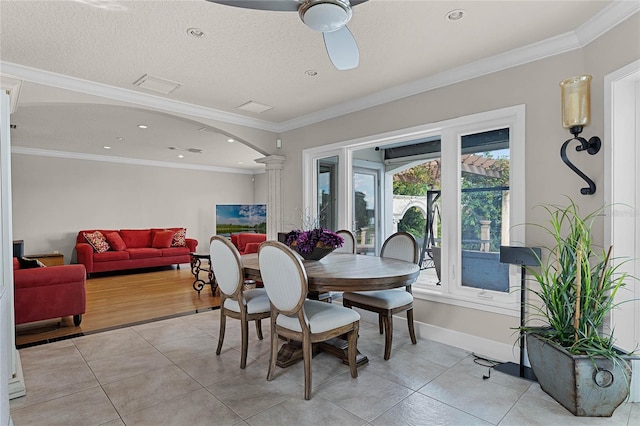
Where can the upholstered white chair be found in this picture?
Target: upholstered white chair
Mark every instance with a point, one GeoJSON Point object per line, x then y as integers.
{"type": "Point", "coordinates": [235, 302]}
{"type": "Point", "coordinates": [349, 245]}
{"type": "Point", "coordinates": [386, 303]}
{"type": "Point", "coordinates": [296, 318]}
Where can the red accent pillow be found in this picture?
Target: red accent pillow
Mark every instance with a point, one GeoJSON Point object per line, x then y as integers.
{"type": "Point", "coordinates": [162, 239]}
{"type": "Point", "coordinates": [115, 241]}
{"type": "Point", "coordinates": [97, 241]}
{"type": "Point", "coordinates": [179, 238]}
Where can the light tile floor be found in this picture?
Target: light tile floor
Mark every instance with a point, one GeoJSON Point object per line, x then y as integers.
{"type": "Point", "coordinates": [167, 373]}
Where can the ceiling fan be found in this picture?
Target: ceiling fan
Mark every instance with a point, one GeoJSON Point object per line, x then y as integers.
{"type": "Point", "coordinates": [327, 16]}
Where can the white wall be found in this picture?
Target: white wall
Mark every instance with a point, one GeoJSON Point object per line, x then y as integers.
{"type": "Point", "coordinates": [548, 179]}
{"type": "Point", "coordinates": [54, 198]}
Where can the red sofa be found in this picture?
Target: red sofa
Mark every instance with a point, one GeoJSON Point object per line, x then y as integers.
{"type": "Point", "coordinates": [248, 242]}
{"type": "Point", "coordinates": [49, 292]}
{"type": "Point", "coordinates": [134, 249]}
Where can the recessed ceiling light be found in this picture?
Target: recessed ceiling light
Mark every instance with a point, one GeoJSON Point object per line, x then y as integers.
{"type": "Point", "coordinates": [455, 15]}
{"type": "Point", "coordinates": [240, 162]}
{"type": "Point", "coordinates": [196, 32]}
{"type": "Point", "coordinates": [180, 156]}
{"type": "Point", "coordinates": [230, 140]}
{"type": "Point", "coordinates": [119, 138]}
{"type": "Point", "coordinates": [142, 126]}
{"type": "Point", "coordinates": [106, 147]}
{"type": "Point", "coordinates": [311, 73]}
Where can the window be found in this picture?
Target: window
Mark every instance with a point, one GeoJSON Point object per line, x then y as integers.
{"type": "Point", "coordinates": [469, 207]}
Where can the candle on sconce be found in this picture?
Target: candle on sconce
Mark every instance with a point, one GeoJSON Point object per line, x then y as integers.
{"type": "Point", "coordinates": [576, 101]}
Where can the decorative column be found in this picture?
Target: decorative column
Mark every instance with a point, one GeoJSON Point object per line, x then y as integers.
{"type": "Point", "coordinates": [274, 165]}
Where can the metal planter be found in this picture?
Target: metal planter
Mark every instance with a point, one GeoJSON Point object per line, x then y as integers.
{"type": "Point", "coordinates": [575, 382]}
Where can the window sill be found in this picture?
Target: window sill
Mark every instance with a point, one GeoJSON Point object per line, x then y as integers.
{"type": "Point", "coordinates": [479, 300]}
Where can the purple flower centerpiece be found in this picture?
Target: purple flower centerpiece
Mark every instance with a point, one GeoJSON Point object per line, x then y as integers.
{"type": "Point", "coordinates": [315, 243]}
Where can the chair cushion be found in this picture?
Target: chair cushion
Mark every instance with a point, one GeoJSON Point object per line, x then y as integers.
{"type": "Point", "coordinates": [321, 317]}
{"type": "Point", "coordinates": [385, 299]}
{"type": "Point", "coordinates": [255, 299]}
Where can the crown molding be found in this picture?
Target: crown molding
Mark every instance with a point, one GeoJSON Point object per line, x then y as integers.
{"type": "Point", "coordinates": [132, 161]}
{"type": "Point", "coordinates": [12, 86]}
{"type": "Point", "coordinates": [599, 24]}
{"type": "Point", "coordinates": [61, 81]}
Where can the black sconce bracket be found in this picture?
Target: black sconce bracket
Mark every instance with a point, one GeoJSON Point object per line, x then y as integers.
{"type": "Point", "coordinates": [592, 146]}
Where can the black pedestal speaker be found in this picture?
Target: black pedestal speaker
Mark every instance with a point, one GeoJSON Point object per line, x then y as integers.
{"type": "Point", "coordinates": [523, 256]}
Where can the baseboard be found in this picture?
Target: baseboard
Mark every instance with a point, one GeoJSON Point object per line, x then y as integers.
{"type": "Point", "coordinates": [16, 383]}
{"type": "Point", "coordinates": [634, 394]}
{"type": "Point", "coordinates": [490, 349]}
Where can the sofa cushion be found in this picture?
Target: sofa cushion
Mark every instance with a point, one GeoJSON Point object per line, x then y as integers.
{"type": "Point", "coordinates": [136, 238]}
{"type": "Point", "coordinates": [109, 256]}
{"type": "Point", "coordinates": [143, 252]}
{"type": "Point", "coordinates": [162, 239]}
{"type": "Point", "coordinates": [179, 238]}
{"type": "Point", "coordinates": [115, 241]}
{"type": "Point", "coordinates": [175, 251]}
{"type": "Point", "coordinates": [97, 241]}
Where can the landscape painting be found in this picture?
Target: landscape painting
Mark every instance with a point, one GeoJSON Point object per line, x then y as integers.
{"type": "Point", "coordinates": [234, 218]}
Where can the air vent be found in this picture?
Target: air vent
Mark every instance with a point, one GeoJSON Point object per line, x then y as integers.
{"type": "Point", "coordinates": [156, 84]}
{"type": "Point", "coordinates": [256, 107]}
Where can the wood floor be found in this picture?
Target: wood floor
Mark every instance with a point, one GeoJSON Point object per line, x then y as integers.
{"type": "Point", "coordinates": [116, 300]}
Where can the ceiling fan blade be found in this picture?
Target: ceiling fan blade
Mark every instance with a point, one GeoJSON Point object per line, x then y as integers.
{"type": "Point", "coordinates": [342, 49]}
{"type": "Point", "coordinates": [277, 5]}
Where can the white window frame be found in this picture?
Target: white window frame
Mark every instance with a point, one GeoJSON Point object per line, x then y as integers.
{"type": "Point", "coordinates": [450, 131]}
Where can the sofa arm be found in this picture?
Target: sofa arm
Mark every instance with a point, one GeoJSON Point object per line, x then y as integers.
{"type": "Point", "coordinates": [192, 244]}
{"type": "Point", "coordinates": [51, 275]}
{"type": "Point", "coordinates": [51, 292]}
{"type": "Point", "coordinates": [84, 252]}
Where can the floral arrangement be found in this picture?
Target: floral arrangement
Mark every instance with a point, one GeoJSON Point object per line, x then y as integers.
{"type": "Point", "coordinates": [305, 241]}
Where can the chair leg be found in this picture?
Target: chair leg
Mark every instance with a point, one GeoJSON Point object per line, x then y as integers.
{"type": "Point", "coordinates": [306, 356]}
{"type": "Point", "coordinates": [412, 331]}
{"type": "Point", "coordinates": [259, 329]}
{"type": "Point", "coordinates": [380, 323]}
{"type": "Point", "coordinates": [388, 335]}
{"type": "Point", "coordinates": [274, 351]}
{"type": "Point", "coordinates": [223, 323]}
{"type": "Point", "coordinates": [244, 332]}
{"type": "Point", "coordinates": [352, 340]}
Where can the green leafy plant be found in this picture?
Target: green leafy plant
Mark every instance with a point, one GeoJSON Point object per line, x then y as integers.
{"type": "Point", "coordinates": [577, 285]}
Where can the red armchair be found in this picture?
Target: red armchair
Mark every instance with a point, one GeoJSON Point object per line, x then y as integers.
{"type": "Point", "coordinates": [248, 242]}
{"type": "Point", "coordinates": [50, 292]}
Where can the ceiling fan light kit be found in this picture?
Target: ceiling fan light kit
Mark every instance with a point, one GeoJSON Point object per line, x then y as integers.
{"type": "Point", "coordinates": [325, 15]}
{"type": "Point", "coordinates": [330, 17]}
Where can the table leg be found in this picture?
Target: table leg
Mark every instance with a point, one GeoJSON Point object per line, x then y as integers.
{"type": "Point", "coordinates": [291, 352]}
{"type": "Point", "coordinates": [198, 284]}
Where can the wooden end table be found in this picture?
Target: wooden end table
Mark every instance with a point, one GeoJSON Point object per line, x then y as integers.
{"type": "Point", "coordinates": [197, 267]}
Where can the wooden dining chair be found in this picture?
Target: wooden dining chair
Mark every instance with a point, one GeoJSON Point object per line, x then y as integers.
{"type": "Point", "coordinates": [386, 303]}
{"type": "Point", "coordinates": [235, 301]}
{"type": "Point", "coordinates": [297, 318]}
{"type": "Point", "coordinates": [349, 245]}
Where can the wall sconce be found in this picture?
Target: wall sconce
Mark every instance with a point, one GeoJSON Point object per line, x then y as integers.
{"type": "Point", "coordinates": [576, 113]}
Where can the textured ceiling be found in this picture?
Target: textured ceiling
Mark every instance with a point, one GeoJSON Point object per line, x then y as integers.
{"type": "Point", "coordinates": [246, 55]}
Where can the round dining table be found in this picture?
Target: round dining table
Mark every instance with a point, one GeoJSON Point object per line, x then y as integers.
{"type": "Point", "coordinates": [347, 272]}
{"type": "Point", "coordinates": [341, 272]}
